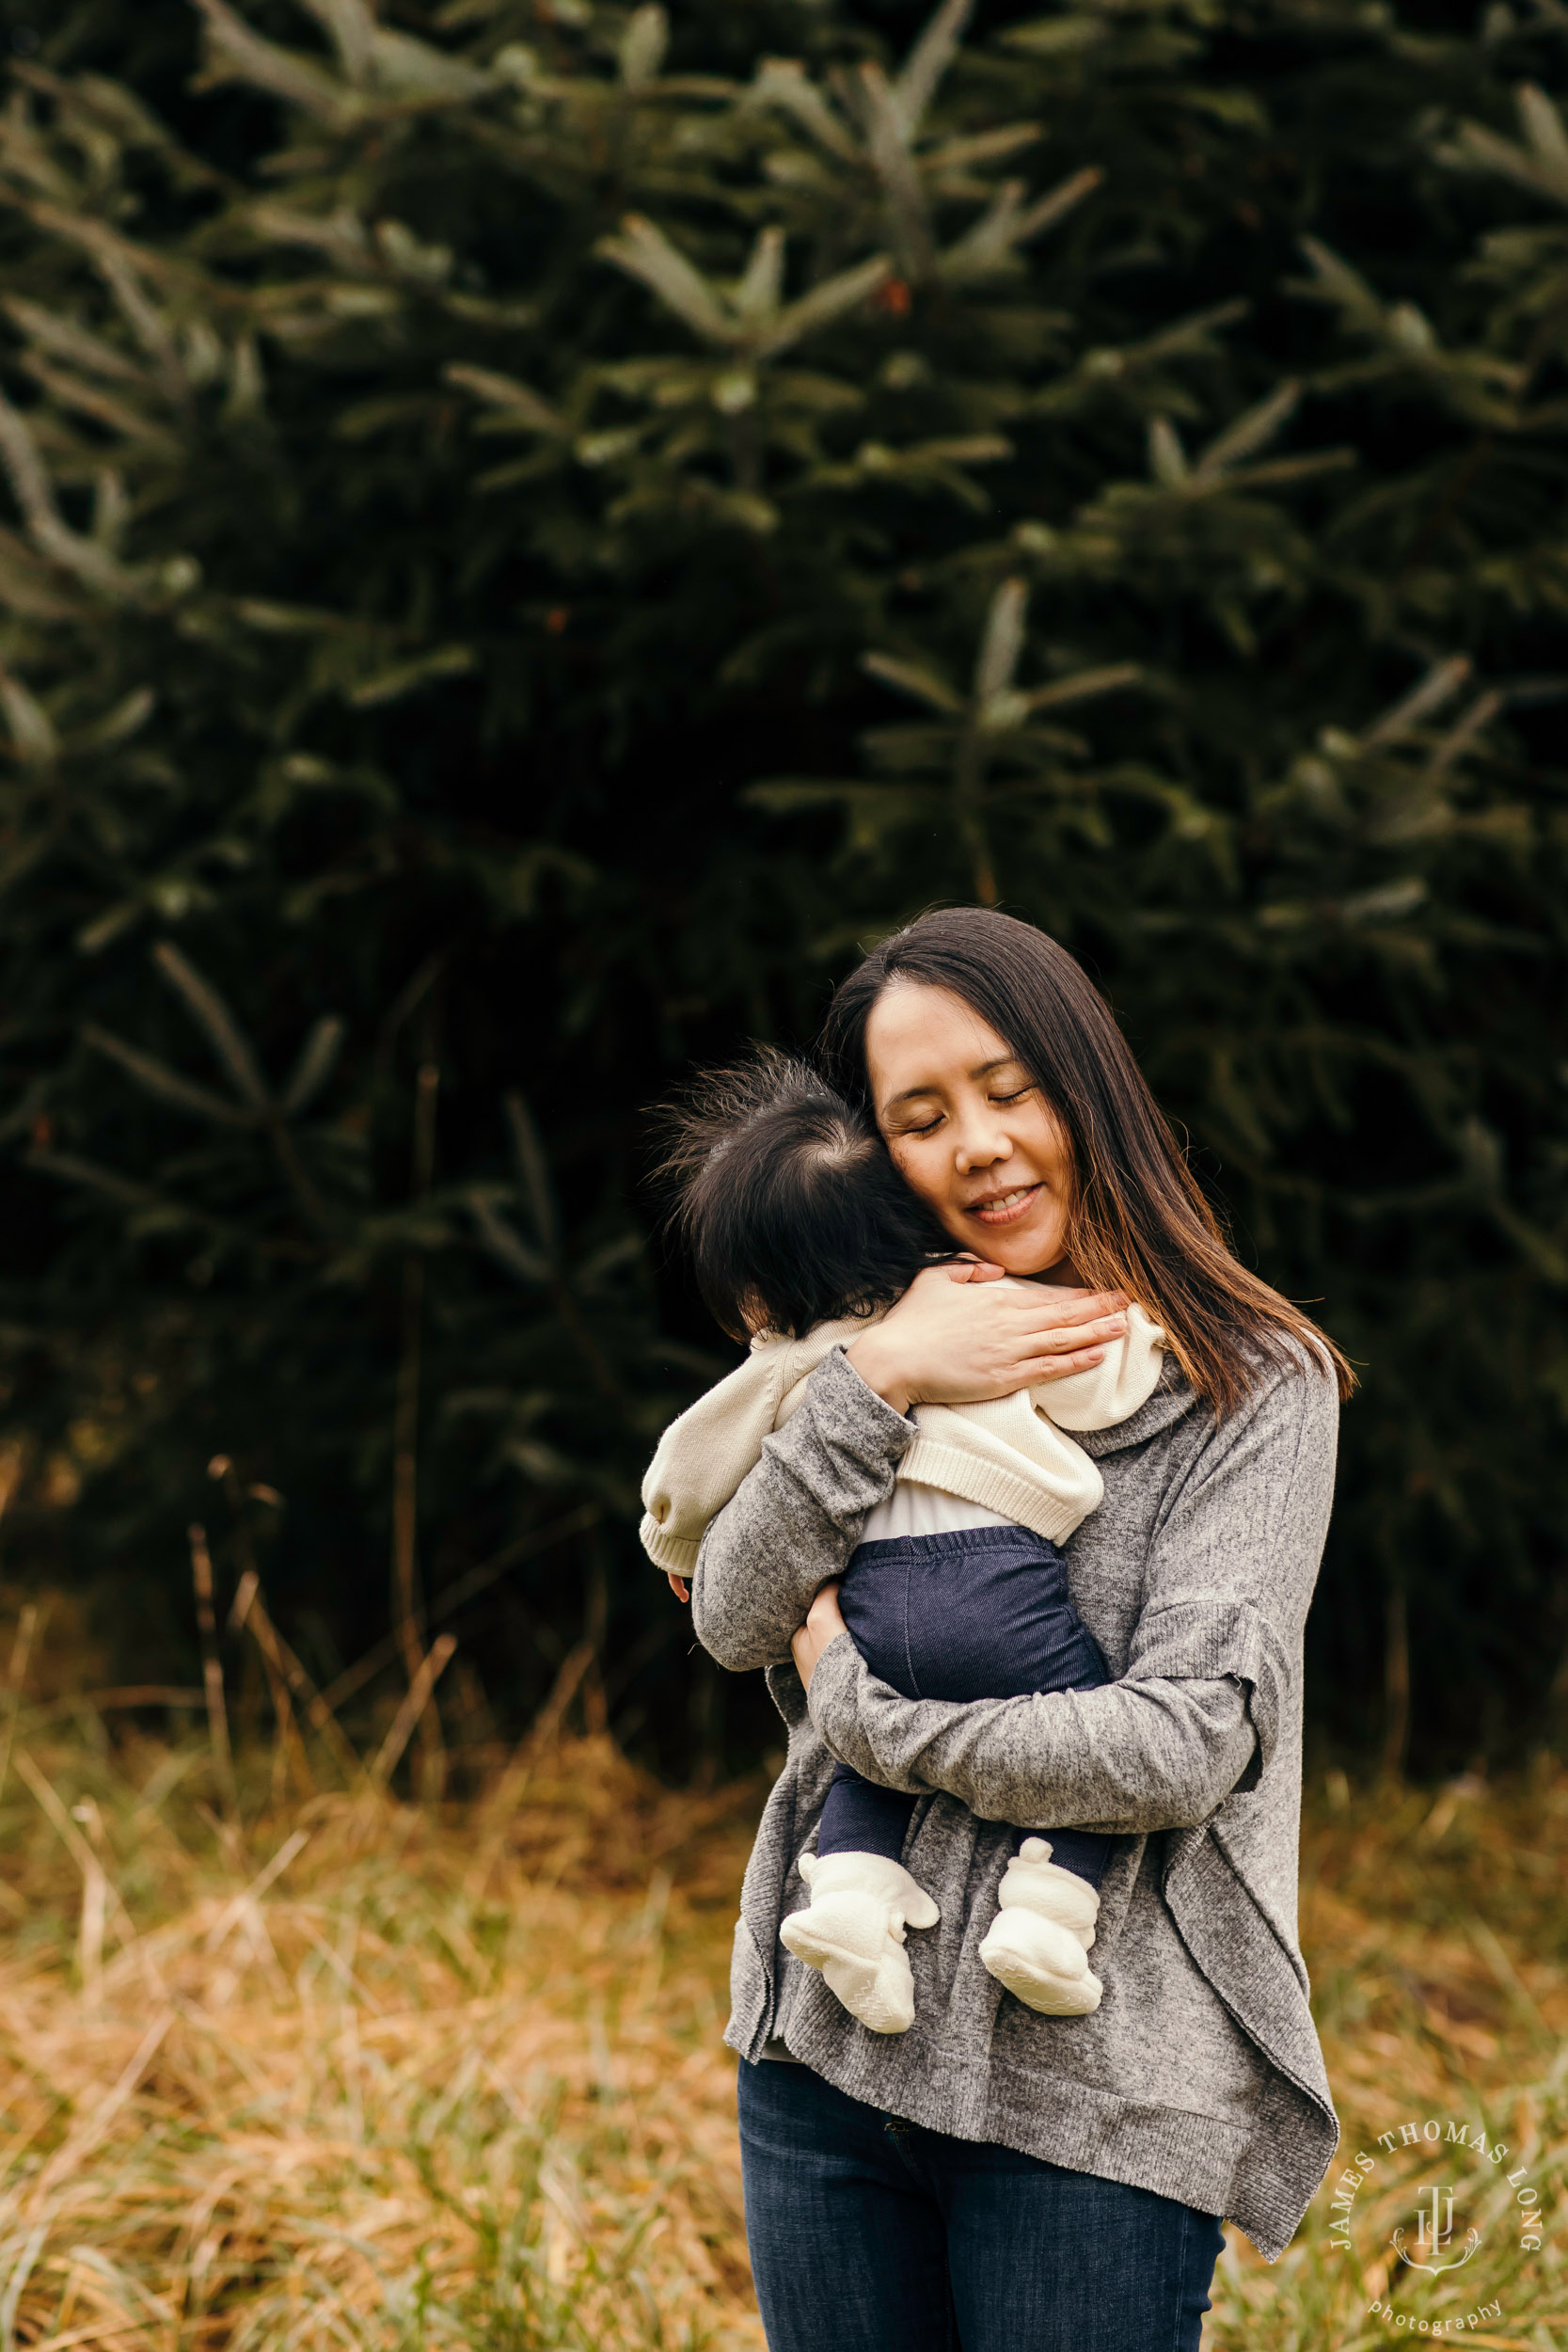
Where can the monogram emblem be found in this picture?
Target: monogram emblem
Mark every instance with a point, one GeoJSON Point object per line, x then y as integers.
{"type": "Point", "coordinates": [1434, 2233]}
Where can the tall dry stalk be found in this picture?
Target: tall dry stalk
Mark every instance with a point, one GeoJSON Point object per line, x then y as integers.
{"type": "Point", "coordinates": [411, 1712]}
{"type": "Point", "coordinates": [249, 1615]}
{"type": "Point", "coordinates": [224, 1470]}
{"type": "Point", "coordinates": [16, 1676]}
{"type": "Point", "coordinates": [211, 1671]}
{"type": "Point", "coordinates": [407, 1614]}
{"type": "Point", "coordinates": [1396, 1681]}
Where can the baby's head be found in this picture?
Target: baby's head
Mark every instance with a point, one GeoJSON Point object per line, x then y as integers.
{"type": "Point", "coordinates": [788, 1200]}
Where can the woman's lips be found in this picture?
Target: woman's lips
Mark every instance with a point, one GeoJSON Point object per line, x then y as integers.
{"type": "Point", "coordinates": [1008, 1208]}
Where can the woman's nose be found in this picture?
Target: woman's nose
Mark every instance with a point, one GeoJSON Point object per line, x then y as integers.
{"type": "Point", "coordinates": [980, 1145]}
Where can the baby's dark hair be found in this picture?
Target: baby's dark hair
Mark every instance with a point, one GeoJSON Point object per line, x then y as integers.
{"type": "Point", "coordinates": [788, 1200]}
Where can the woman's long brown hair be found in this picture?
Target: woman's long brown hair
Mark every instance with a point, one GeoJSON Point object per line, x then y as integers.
{"type": "Point", "coordinates": [1140, 1222]}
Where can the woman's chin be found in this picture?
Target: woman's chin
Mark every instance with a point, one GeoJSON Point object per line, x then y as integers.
{"type": "Point", "coordinates": [1035, 1246]}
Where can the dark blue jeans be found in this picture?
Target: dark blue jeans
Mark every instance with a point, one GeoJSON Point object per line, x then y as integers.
{"type": "Point", "coordinates": [981, 1614]}
{"type": "Point", "coordinates": [869, 2234]}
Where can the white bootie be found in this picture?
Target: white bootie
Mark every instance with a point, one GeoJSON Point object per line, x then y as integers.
{"type": "Point", "coordinates": [1032, 1881]}
{"type": "Point", "coordinates": [853, 1930]}
{"type": "Point", "coordinates": [1036, 1943]}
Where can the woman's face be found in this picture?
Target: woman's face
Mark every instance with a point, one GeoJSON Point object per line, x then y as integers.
{"type": "Point", "coordinates": [968, 1130]}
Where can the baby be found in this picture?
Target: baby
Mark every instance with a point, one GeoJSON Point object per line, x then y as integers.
{"type": "Point", "coordinates": [803, 1233]}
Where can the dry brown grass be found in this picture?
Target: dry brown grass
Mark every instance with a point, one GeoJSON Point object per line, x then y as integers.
{"type": "Point", "coordinates": [1435, 1926]}
{"type": "Point", "coordinates": [364, 2073]}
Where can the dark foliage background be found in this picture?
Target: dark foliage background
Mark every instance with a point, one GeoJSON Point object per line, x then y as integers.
{"type": "Point", "coordinates": [533, 527]}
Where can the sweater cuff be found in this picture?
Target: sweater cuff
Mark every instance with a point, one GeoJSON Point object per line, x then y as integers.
{"type": "Point", "coordinates": [676, 1554]}
{"type": "Point", "coordinates": [850, 1393]}
{"type": "Point", "coordinates": [831, 1700]}
{"type": "Point", "coordinates": [853, 1418]}
{"type": "Point", "coordinates": [1202, 1637]}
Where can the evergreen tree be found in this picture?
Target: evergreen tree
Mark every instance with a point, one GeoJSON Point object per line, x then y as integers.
{"type": "Point", "coordinates": [534, 528]}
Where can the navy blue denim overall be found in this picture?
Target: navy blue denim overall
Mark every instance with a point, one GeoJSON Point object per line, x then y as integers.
{"type": "Point", "coordinates": [981, 1612]}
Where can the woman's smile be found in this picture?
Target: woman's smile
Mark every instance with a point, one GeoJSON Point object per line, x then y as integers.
{"type": "Point", "coordinates": [1005, 1208]}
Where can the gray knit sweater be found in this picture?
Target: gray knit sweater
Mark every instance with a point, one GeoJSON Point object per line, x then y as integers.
{"type": "Point", "coordinates": [1199, 2075]}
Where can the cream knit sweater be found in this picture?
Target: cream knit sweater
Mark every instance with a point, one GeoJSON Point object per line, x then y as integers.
{"type": "Point", "coordinates": [1011, 1455]}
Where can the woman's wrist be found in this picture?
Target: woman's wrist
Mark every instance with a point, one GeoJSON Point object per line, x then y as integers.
{"type": "Point", "coordinates": [876, 1363]}
{"type": "Point", "coordinates": [826, 1687]}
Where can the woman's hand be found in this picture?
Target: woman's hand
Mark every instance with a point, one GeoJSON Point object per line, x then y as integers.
{"type": "Point", "coordinates": [956, 1337]}
{"type": "Point", "coordinates": [824, 1623]}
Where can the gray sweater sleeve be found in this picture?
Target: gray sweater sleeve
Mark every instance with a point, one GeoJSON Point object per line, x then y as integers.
{"type": "Point", "coordinates": [794, 1519]}
{"type": "Point", "coordinates": [1226, 1585]}
{"type": "Point", "coordinates": [1133, 1756]}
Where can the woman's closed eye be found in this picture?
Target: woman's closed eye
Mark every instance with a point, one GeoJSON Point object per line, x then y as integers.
{"type": "Point", "coordinates": [929, 1126]}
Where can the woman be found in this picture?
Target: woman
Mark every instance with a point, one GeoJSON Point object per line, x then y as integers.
{"type": "Point", "coordinates": [996, 2177]}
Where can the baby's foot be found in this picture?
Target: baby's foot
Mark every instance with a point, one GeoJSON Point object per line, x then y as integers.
{"type": "Point", "coordinates": [1042, 1964]}
{"type": "Point", "coordinates": [1037, 1943]}
{"type": "Point", "coordinates": [1032, 1881]}
{"type": "Point", "coordinates": [878, 1991]}
{"type": "Point", "coordinates": [853, 1930]}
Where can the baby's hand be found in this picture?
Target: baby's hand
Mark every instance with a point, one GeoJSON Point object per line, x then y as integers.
{"type": "Point", "coordinates": [678, 1586]}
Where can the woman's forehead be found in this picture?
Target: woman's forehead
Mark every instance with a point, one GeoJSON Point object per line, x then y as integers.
{"type": "Point", "coordinates": [920, 1039]}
